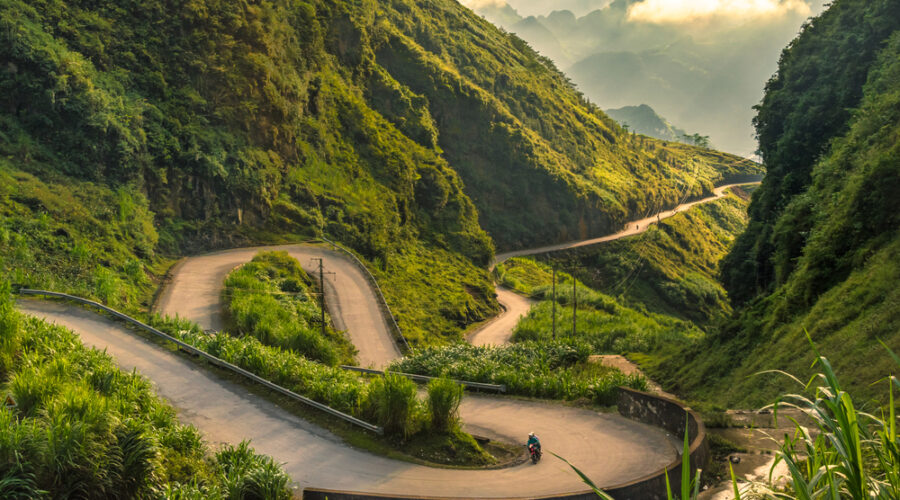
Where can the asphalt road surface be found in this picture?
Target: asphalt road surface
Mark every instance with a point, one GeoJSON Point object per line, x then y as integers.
{"type": "Point", "coordinates": [609, 448]}
{"type": "Point", "coordinates": [195, 293]}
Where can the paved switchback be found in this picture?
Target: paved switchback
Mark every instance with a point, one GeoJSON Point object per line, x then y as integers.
{"type": "Point", "coordinates": [499, 330]}
{"type": "Point", "coordinates": [196, 288]}
{"type": "Point", "coordinates": [609, 448]}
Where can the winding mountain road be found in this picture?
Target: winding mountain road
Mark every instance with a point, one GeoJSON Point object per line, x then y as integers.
{"type": "Point", "coordinates": [608, 448]}
{"type": "Point", "coordinates": [499, 330]}
{"type": "Point", "coordinates": [195, 292]}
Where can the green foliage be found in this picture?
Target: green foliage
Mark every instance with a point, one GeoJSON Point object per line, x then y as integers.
{"type": "Point", "coordinates": [670, 269]}
{"type": "Point", "coordinates": [274, 300]}
{"type": "Point", "coordinates": [852, 454]}
{"type": "Point", "coordinates": [247, 475]}
{"type": "Point", "coordinates": [842, 288]}
{"type": "Point", "coordinates": [444, 396]}
{"type": "Point", "coordinates": [84, 428]}
{"type": "Point", "coordinates": [67, 236]}
{"type": "Point", "coordinates": [391, 399]}
{"type": "Point", "coordinates": [329, 385]}
{"type": "Point", "coordinates": [807, 104]}
{"type": "Point", "coordinates": [384, 126]}
{"type": "Point", "coordinates": [544, 370]}
{"type": "Point", "coordinates": [603, 322]}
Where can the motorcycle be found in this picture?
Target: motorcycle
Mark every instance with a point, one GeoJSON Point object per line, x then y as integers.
{"type": "Point", "coordinates": [535, 453]}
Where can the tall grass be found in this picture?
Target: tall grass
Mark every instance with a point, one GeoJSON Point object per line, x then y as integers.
{"type": "Point", "coordinates": [546, 370]}
{"type": "Point", "coordinates": [392, 401]}
{"type": "Point", "coordinates": [444, 397]}
{"type": "Point", "coordinates": [273, 299]}
{"type": "Point", "coordinates": [85, 429]}
{"type": "Point", "coordinates": [853, 454]}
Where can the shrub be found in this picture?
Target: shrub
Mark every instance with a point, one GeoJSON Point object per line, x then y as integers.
{"type": "Point", "coordinates": [444, 397]}
{"type": "Point", "coordinates": [391, 400]}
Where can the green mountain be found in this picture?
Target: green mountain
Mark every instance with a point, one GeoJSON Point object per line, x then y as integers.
{"type": "Point", "coordinates": [416, 133]}
{"type": "Point", "coordinates": [644, 120]}
{"type": "Point", "coordinates": [822, 252]}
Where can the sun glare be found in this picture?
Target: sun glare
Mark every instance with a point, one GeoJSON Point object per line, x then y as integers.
{"type": "Point", "coordinates": [677, 11]}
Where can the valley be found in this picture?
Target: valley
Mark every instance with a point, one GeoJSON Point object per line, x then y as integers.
{"type": "Point", "coordinates": [322, 203]}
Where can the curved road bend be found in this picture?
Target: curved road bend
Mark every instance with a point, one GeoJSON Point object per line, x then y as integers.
{"type": "Point", "coordinates": [631, 228]}
{"type": "Point", "coordinates": [499, 330]}
{"type": "Point", "coordinates": [196, 289]}
{"type": "Point", "coordinates": [609, 448]}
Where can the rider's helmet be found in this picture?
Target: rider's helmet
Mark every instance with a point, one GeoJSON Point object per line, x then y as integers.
{"type": "Point", "coordinates": [531, 434]}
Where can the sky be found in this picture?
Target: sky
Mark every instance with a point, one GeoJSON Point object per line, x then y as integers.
{"type": "Point", "coordinates": [680, 11]}
{"type": "Point", "coordinates": [665, 11]}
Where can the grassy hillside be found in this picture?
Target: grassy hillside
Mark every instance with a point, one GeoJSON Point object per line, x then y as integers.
{"type": "Point", "coordinates": [841, 286]}
{"type": "Point", "coordinates": [603, 322]}
{"type": "Point", "coordinates": [83, 428]}
{"type": "Point", "coordinates": [673, 267]}
{"type": "Point", "coordinates": [399, 128]}
{"type": "Point", "coordinates": [808, 103]}
{"type": "Point", "coordinates": [273, 299]}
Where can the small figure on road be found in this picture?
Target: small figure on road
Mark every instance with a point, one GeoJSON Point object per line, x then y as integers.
{"type": "Point", "coordinates": [534, 447]}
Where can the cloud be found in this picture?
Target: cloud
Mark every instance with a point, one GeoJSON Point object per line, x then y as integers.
{"type": "Point", "coordinates": [480, 4]}
{"type": "Point", "coordinates": [680, 11]}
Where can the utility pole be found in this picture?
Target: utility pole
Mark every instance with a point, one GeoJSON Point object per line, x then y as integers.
{"type": "Point", "coordinates": [554, 302]}
{"type": "Point", "coordinates": [574, 306]}
{"type": "Point", "coordinates": [322, 292]}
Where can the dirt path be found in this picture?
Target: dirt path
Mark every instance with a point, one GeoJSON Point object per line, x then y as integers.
{"type": "Point", "coordinates": [609, 448]}
{"type": "Point", "coordinates": [195, 292]}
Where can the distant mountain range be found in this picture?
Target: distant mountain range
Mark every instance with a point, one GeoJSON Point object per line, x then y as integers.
{"type": "Point", "coordinates": [643, 120]}
{"type": "Point", "coordinates": [705, 76]}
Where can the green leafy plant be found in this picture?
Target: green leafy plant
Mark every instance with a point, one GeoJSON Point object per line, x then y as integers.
{"type": "Point", "coordinates": [391, 399]}
{"type": "Point", "coordinates": [444, 397]}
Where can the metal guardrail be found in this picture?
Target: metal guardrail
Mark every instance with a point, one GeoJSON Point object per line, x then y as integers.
{"type": "Point", "coordinates": [392, 324]}
{"type": "Point", "coordinates": [212, 359]}
{"type": "Point", "coordinates": [426, 378]}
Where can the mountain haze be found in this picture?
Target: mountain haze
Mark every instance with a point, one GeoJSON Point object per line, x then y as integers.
{"type": "Point", "coordinates": [643, 120]}
{"type": "Point", "coordinates": [703, 72]}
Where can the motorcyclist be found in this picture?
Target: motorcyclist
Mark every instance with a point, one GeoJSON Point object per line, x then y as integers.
{"type": "Point", "coordinates": [533, 440]}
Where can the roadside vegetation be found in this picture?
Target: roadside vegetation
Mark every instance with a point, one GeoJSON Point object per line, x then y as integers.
{"type": "Point", "coordinates": [79, 238]}
{"type": "Point", "coordinates": [390, 401]}
{"type": "Point", "coordinates": [83, 428]}
{"type": "Point", "coordinates": [273, 299]}
{"type": "Point", "coordinates": [603, 322]}
{"type": "Point", "coordinates": [557, 370]}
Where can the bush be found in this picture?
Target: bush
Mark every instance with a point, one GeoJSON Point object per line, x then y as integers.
{"type": "Point", "coordinates": [85, 429]}
{"type": "Point", "coordinates": [444, 397]}
{"type": "Point", "coordinates": [546, 370]}
{"type": "Point", "coordinates": [391, 400]}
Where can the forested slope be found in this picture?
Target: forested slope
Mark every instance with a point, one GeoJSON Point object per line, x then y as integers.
{"type": "Point", "coordinates": [399, 128]}
{"type": "Point", "coordinates": [834, 243]}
